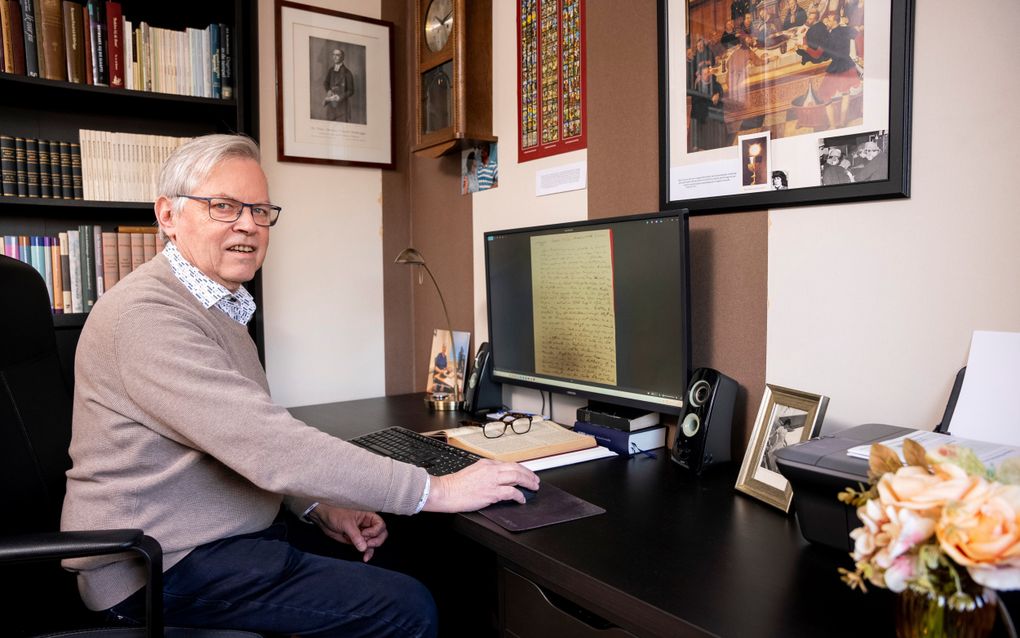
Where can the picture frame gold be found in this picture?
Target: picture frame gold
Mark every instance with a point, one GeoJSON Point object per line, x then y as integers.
{"type": "Point", "coordinates": [786, 416]}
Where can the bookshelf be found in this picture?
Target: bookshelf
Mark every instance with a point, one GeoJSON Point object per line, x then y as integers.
{"type": "Point", "coordinates": [34, 107]}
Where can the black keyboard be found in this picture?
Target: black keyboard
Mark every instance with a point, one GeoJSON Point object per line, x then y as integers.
{"type": "Point", "coordinates": [437, 457]}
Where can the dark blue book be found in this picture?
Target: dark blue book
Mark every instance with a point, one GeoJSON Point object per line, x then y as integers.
{"type": "Point", "coordinates": [56, 179]}
{"type": "Point", "coordinates": [45, 181]}
{"type": "Point", "coordinates": [21, 162]}
{"type": "Point", "coordinates": [214, 60]}
{"type": "Point", "coordinates": [87, 254]}
{"type": "Point", "coordinates": [226, 63]}
{"type": "Point", "coordinates": [8, 167]}
{"type": "Point", "coordinates": [623, 442]}
{"type": "Point", "coordinates": [31, 52]}
{"type": "Point", "coordinates": [100, 59]}
{"type": "Point", "coordinates": [32, 166]}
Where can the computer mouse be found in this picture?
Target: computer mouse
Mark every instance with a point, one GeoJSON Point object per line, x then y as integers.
{"type": "Point", "coordinates": [528, 494]}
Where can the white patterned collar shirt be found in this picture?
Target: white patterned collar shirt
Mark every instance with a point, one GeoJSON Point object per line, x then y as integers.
{"type": "Point", "coordinates": [239, 306]}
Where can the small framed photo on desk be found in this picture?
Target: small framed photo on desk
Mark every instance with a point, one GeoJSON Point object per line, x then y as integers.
{"type": "Point", "coordinates": [785, 417]}
{"type": "Point", "coordinates": [448, 361]}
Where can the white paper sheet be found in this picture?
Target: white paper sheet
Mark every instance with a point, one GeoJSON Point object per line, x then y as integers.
{"type": "Point", "coordinates": [568, 458]}
{"type": "Point", "coordinates": [991, 454]}
{"type": "Point", "coordinates": [988, 408]}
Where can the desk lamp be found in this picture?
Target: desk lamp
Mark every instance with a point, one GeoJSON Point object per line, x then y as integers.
{"type": "Point", "coordinates": [436, 400]}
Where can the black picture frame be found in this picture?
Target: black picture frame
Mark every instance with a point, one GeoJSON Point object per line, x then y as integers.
{"type": "Point", "coordinates": [894, 133]}
{"type": "Point", "coordinates": [314, 124]}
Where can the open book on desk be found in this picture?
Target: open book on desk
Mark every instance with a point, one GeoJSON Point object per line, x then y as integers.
{"type": "Point", "coordinates": [545, 438]}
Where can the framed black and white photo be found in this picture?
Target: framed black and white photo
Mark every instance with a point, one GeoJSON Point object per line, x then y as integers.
{"type": "Point", "coordinates": [785, 417]}
{"type": "Point", "coordinates": [334, 87]}
{"type": "Point", "coordinates": [801, 72]}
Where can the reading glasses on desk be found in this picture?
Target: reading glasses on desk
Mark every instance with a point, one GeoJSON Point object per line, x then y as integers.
{"type": "Point", "coordinates": [519, 423]}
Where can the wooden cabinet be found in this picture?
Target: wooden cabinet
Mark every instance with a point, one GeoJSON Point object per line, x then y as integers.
{"type": "Point", "coordinates": [56, 110]}
{"type": "Point", "coordinates": [528, 610]}
{"type": "Point", "coordinates": [453, 80]}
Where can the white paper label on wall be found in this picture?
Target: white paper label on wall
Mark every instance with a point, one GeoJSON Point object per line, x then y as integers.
{"type": "Point", "coordinates": [569, 177]}
{"type": "Point", "coordinates": [709, 179]}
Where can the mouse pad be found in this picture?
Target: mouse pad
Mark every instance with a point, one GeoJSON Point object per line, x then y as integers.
{"type": "Point", "coordinates": [548, 506]}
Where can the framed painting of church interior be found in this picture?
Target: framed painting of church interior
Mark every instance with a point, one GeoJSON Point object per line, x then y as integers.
{"type": "Point", "coordinates": [801, 73]}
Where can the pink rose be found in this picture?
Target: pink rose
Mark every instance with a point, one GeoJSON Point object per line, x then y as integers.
{"type": "Point", "coordinates": [869, 537]}
{"type": "Point", "coordinates": [898, 575]}
{"type": "Point", "coordinates": [915, 488]}
{"type": "Point", "coordinates": [906, 529]}
{"type": "Point", "coordinates": [982, 533]}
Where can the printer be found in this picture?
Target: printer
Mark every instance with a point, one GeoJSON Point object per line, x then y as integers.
{"type": "Point", "coordinates": [819, 469]}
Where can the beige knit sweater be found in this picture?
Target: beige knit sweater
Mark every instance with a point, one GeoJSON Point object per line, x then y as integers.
{"type": "Point", "coordinates": [175, 433]}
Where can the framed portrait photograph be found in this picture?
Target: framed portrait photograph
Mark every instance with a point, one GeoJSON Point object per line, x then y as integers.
{"type": "Point", "coordinates": [334, 81]}
{"type": "Point", "coordinates": [447, 362]}
{"type": "Point", "coordinates": [785, 417]}
{"type": "Point", "coordinates": [814, 76]}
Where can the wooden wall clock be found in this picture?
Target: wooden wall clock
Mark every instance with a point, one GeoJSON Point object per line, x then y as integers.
{"type": "Point", "coordinates": [453, 82]}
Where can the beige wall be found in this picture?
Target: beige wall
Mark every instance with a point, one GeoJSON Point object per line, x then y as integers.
{"type": "Point", "coordinates": [323, 281]}
{"type": "Point", "coordinates": [728, 252]}
{"type": "Point", "coordinates": [871, 304]}
{"type": "Point", "coordinates": [513, 204]}
{"type": "Point", "coordinates": [874, 304]}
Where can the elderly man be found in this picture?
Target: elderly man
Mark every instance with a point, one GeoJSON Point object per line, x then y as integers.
{"type": "Point", "coordinates": [175, 433]}
{"type": "Point", "coordinates": [339, 85]}
{"type": "Point", "coordinates": [876, 166]}
{"type": "Point", "coordinates": [834, 169]}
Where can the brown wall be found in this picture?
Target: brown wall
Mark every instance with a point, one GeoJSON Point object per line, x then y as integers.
{"type": "Point", "coordinates": [396, 211]}
{"type": "Point", "coordinates": [423, 208]}
{"type": "Point", "coordinates": [728, 251]}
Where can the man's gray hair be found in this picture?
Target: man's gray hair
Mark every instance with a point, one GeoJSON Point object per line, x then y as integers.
{"type": "Point", "coordinates": [192, 163]}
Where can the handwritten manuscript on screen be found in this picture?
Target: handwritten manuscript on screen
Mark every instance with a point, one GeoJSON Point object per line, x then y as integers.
{"type": "Point", "coordinates": [572, 287]}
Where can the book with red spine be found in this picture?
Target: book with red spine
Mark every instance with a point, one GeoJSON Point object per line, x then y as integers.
{"type": "Point", "coordinates": [86, 25]}
{"type": "Point", "coordinates": [17, 36]}
{"type": "Point", "coordinates": [115, 45]}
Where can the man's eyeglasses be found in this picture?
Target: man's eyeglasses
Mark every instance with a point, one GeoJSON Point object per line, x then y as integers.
{"type": "Point", "coordinates": [519, 423]}
{"type": "Point", "coordinates": [224, 209]}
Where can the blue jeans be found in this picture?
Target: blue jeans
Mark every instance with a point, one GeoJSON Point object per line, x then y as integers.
{"type": "Point", "coordinates": [261, 582]}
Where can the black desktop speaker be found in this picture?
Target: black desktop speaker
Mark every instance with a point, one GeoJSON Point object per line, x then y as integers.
{"type": "Point", "coordinates": [482, 393]}
{"type": "Point", "coordinates": [703, 432]}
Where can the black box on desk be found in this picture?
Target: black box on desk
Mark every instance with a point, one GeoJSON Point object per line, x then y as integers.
{"type": "Point", "coordinates": [819, 469]}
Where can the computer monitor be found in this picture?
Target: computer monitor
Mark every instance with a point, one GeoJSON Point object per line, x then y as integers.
{"type": "Point", "coordinates": [598, 309]}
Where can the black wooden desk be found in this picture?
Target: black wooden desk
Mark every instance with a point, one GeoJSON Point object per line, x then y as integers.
{"type": "Point", "coordinates": [672, 555]}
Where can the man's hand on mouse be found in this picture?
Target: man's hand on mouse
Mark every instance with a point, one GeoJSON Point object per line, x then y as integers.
{"type": "Point", "coordinates": [479, 485]}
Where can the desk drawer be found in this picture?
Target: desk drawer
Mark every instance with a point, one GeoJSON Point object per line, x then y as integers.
{"type": "Point", "coordinates": [528, 611]}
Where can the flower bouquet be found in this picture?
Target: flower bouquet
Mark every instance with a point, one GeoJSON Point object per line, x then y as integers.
{"type": "Point", "coordinates": [942, 527]}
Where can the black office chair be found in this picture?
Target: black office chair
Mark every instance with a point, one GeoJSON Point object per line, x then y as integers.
{"type": "Point", "coordinates": [35, 431]}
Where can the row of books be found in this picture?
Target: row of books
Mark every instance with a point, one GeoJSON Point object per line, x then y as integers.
{"type": "Point", "coordinates": [48, 169]}
{"type": "Point", "coordinates": [123, 167]}
{"type": "Point", "coordinates": [82, 264]}
{"type": "Point", "coordinates": [95, 43]}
